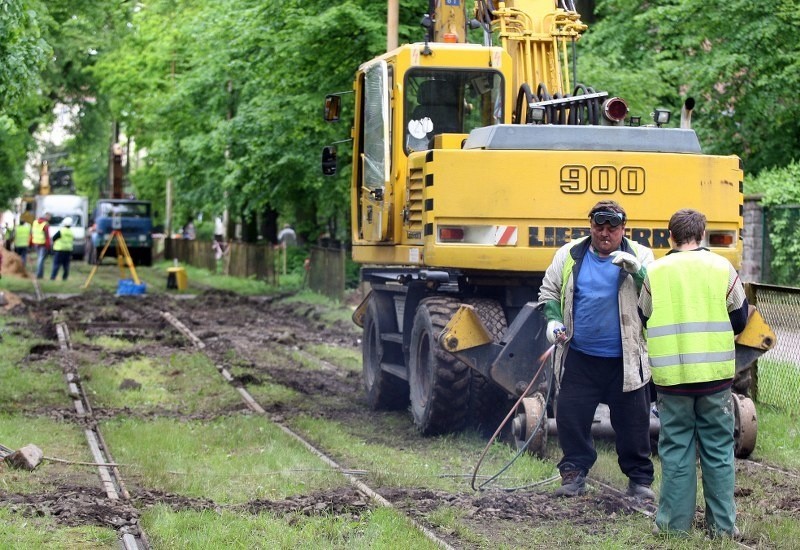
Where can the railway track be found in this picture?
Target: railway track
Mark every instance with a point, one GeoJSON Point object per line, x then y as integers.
{"type": "Point", "coordinates": [197, 323]}
{"type": "Point", "coordinates": [131, 535]}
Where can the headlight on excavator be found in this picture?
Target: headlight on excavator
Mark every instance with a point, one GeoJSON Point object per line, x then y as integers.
{"type": "Point", "coordinates": [615, 109]}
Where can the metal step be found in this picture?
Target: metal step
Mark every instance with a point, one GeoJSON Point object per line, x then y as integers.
{"type": "Point", "coordinates": [395, 337]}
{"type": "Point", "coordinates": [399, 371]}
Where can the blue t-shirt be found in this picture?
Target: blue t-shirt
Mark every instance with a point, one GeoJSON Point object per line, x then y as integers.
{"type": "Point", "coordinates": [596, 308]}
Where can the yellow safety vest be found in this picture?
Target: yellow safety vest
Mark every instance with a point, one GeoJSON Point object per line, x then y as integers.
{"type": "Point", "coordinates": [64, 242]}
{"type": "Point", "coordinates": [22, 235]}
{"type": "Point", "coordinates": [689, 336]}
{"type": "Point", "coordinates": [38, 229]}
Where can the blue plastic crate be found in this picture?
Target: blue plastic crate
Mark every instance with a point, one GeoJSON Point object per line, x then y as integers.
{"type": "Point", "coordinates": [126, 287]}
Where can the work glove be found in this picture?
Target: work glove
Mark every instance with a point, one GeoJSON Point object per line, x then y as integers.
{"type": "Point", "coordinates": [626, 261]}
{"type": "Point", "coordinates": [556, 332]}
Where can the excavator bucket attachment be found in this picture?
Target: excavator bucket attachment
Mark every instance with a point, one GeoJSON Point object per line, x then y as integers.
{"type": "Point", "coordinates": [756, 339]}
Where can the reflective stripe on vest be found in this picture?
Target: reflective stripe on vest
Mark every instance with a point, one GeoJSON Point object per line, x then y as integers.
{"type": "Point", "coordinates": [37, 229]}
{"type": "Point", "coordinates": [64, 242]}
{"type": "Point", "coordinates": [689, 336]}
{"type": "Point", "coordinates": [22, 235]}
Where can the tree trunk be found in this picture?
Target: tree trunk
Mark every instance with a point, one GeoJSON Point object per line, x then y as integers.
{"type": "Point", "coordinates": [249, 229]}
{"type": "Point", "coordinates": [269, 224]}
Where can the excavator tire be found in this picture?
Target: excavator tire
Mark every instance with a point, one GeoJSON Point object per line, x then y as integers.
{"type": "Point", "coordinates": [489, 403]}
{"type": "Point", "coordinates": [383, 390]}
{"type": "Point", "coordinates": [439, 382]}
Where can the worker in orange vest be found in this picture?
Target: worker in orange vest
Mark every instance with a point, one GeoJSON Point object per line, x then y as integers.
{"type": "Point", "coordinates": [40, 240]}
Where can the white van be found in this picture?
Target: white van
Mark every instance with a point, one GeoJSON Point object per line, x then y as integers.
{"type": "Point", "coordinates": [62, 206]}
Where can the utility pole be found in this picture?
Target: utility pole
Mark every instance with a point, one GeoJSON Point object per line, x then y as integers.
{"type": "Point", "coordinates": [392, 22]}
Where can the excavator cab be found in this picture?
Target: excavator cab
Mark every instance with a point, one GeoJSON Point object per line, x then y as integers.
{"type": "Point", "coordinates": [449, 102]}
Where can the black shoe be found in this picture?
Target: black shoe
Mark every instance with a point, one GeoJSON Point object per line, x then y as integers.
{"type": "Point", "coordinates": [640, 492]}
{"type": "Point", "coordinates": [573, 484]}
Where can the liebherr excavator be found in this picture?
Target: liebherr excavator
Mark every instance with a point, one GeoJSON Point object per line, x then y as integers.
{"type": "Point", "coordinates": [472, 164]}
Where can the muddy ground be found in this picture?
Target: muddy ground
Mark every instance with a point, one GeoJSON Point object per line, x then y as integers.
{"type": "Point", "coordinates": [250, 325]}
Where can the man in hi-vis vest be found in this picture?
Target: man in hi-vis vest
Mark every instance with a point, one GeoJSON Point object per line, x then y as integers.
{"type": "Point", "coordinates": [62, 249]}
{"type": "Point", "coordinates": [40, 240]}
{"type": "Point", "coordinates": [693, 304]}
{"type": "Point", "coordinates": [22, 236]}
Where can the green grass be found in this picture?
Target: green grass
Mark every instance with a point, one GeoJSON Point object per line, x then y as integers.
{"type": "Point", "coordinates": [230, 459]}
{"type": "Point", "coordinates": [26, 384]}
{"type": "Point", "coordinates": [380, 529]}
{"type": "Point", "coordinates": [778, 439]}
{"type": "Point", "coordinates": [445, 462]}
{"type": "Point", "coordinates": [348, 358]}
{"type": "Point", "coordinates": [18, 531]}
{"type": "Point", "coordinates": [187, 382]}
{"type": "Point", "coordinates": [62, 440]}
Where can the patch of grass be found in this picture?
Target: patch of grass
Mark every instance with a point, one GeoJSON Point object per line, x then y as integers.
{"type": "Point", "coordinates": [18, 531]}
{"type": "Point", "coordinates": [348, 358]}
{"type": "Point", "coordinates": [107, 342]}
{"type": "Point", "coordinates": [61, 440]}
{"type": "Point", "coordinates": [330, 311]}
{"type": "Point", "coordinates": [452, 520]}
{"type": "Point", "coordinates": [189, 382]}
{"type": "Point", "coordinates": [445, 462]}
{"type": "Point", "coordinates": [106, 278]}
{"type": "Point", "coordinates": [778, 440]}
{"type": "Point", "coordinates": [381, 528]}
{"type": "Point", "coordinates": [24, 385]}
{"type": "Point", "coordinates": [231, 459]}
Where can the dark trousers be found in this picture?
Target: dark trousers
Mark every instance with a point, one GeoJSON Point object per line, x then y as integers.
{"type": "Point", "coordinates": [23, 253]}
{"type": "Point", "coordinates": [61, 258]}
{"type": "Point", "coordinates": [588, 381]}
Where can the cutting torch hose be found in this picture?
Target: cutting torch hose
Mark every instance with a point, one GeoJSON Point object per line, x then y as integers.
{"type": "Point", "coordinates": [543, 358]}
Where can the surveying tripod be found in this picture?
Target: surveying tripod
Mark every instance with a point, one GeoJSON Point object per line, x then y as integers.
{"type": "Point", "coordinates": [123, 258]}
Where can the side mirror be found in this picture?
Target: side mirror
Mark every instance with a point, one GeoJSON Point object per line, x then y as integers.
{"type": "Point", "coordinates": [329, 160]}
{"type": "Point", "coordinates": [333, 107]}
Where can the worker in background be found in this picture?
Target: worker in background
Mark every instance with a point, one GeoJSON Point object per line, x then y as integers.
{"type": "Point", "coordinates": [22, 236]}
{"type": "Point", "coordinates": [287, 236]}
{"type": "Point", "coordinates": [40, 240]}
{"type": "Point", "coordinates": [692, 304]}
{"type": "Point", "coordinates": [62, 249]}
{"type": "Point", "coordinates": [589, 297]}
{"type": "Point", "coordinates": [8, 237]}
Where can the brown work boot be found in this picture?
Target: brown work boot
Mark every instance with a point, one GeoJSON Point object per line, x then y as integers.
{"type": "Point", "coordinates": [573, 484]}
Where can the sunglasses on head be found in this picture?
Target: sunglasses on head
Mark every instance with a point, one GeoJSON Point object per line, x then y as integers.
{"type": "Point", "coordinates": [612, 218]}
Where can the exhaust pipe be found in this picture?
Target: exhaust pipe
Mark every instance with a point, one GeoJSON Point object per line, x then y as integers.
{"type": "Point", "coordinates": [686, 113]}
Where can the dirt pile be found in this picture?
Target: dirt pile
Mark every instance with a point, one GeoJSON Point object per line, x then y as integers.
{"type": "Point", "coordinates": [12, 265]}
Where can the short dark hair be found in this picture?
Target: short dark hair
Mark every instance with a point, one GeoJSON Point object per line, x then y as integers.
{"type": "Point", "coordinates": [687, 225]}
{"type": "Point", "coordinates": [608, 206]}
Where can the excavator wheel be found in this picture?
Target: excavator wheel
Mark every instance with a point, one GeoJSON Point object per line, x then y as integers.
{"type": "Point", "coordinates": [488, 403]}
{"type": "Point", "coordinates": [745, 425]}
{"type": "Point", "coordinates": [530, 419]}
{"type": "Point", "coordinates": [439, 383]}
{"type": "Point", "coordinates": [383, 390]}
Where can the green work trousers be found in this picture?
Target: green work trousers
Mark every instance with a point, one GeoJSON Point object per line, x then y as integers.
{"type": "Point", "coordinates": [690, 424]}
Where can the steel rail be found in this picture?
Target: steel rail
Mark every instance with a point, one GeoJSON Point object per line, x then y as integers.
{"type": "Point", "coordinates": [109, 473]}
{"type": "Point", "coordinates": [253, 405]}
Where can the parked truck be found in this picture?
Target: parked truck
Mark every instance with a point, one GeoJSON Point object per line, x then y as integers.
{"type": "Point", "coordinates": [66, 206]}
{"type": "Point", "coordinates": [471, 165]}
{"type": "Point", "coordinates": [127, 218]}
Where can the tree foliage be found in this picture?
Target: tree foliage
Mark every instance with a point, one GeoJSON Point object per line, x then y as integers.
{"type": "Point", "coordinates": [223, 99]}
{"type": "Point", "coordinates": [737, 59]}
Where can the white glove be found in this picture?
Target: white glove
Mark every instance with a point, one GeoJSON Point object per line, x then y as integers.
{"type": "Point", "coordinates": [556, 332]}
{"type": "Point", "coordinates": [626, 261]}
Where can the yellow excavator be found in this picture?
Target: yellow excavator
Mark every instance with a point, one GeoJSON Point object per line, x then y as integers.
{"type": "Point", "coordinates": [472, 164]}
